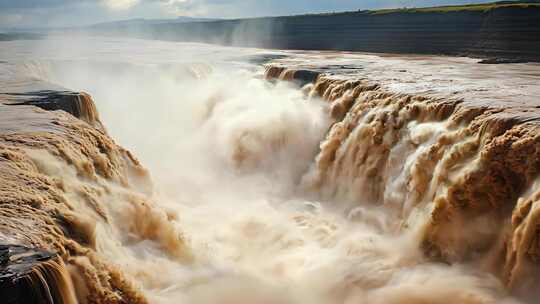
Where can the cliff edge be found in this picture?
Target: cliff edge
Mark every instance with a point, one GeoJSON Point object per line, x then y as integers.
{"type": "Point", "coordinates": [507, 30]}
{"type": "Point", "coordinates": [470, 164]}
{"type": "Point", "coordinates": [65, 187]}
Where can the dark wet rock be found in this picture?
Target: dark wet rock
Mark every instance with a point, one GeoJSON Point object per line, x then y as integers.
{"type": "Point", "coordinates": [303, 77]}
{"type": "Point", "coordinates": [502, 60]}
{"type": "Point", "coordinates": [78, 104]}
{"type": "Point", "coordinates": [20, 268]}
{"type": "Point", "coordinates": [300, 77]}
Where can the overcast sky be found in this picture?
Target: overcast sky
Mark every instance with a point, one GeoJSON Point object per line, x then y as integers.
{"type": "Point", "coordinates": [53, 13]}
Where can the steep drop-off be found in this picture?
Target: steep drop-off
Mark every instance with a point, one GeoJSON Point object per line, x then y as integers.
{"type": "Point", "coordinates": [34, 276]}
{"type": "Point", "coordinates": [66, 187]}
{"type": "Point", "coordinates": [461, 173]}
{"type": "Point", "coordinates": [383, 180]}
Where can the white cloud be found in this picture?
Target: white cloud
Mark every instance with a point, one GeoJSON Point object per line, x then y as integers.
{"type": "Point", "coordinates": [120, 4]}
{"type": "Point", "coordinates": [181, 7]}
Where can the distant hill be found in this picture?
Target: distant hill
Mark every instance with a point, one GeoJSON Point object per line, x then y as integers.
{"type": "Point", "coordinates": [11, 36]}
{"type": "Point", "coordinates": [143, 22]}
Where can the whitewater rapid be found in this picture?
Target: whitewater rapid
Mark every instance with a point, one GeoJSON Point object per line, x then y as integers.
{"type": "Point", "coordinates": [262, 198]}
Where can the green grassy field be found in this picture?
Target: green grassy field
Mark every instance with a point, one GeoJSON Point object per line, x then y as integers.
{"type": "Point", "coordinates": [442, 9]}
{"type": "Point", "coordinates": [458, 8]}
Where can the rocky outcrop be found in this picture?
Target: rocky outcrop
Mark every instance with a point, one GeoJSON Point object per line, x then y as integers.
{"type": "Point", "coordinates": [29, 276]}
{"type": "Point", "coordinates": [78, 104]}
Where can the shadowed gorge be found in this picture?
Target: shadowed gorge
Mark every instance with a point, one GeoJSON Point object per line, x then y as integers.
{"type": "Point", "coordinates": [259, 176]}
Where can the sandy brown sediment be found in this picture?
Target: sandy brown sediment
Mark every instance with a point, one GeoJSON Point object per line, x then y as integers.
{"type": "Point", "coordinates": [448, 169]}
{"type": "Point", "coordinates": [521, 249]}
{"type": "Point", "coordinates": [463, 163]}
{"type": "Point", "coordinates": [66, 186]}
